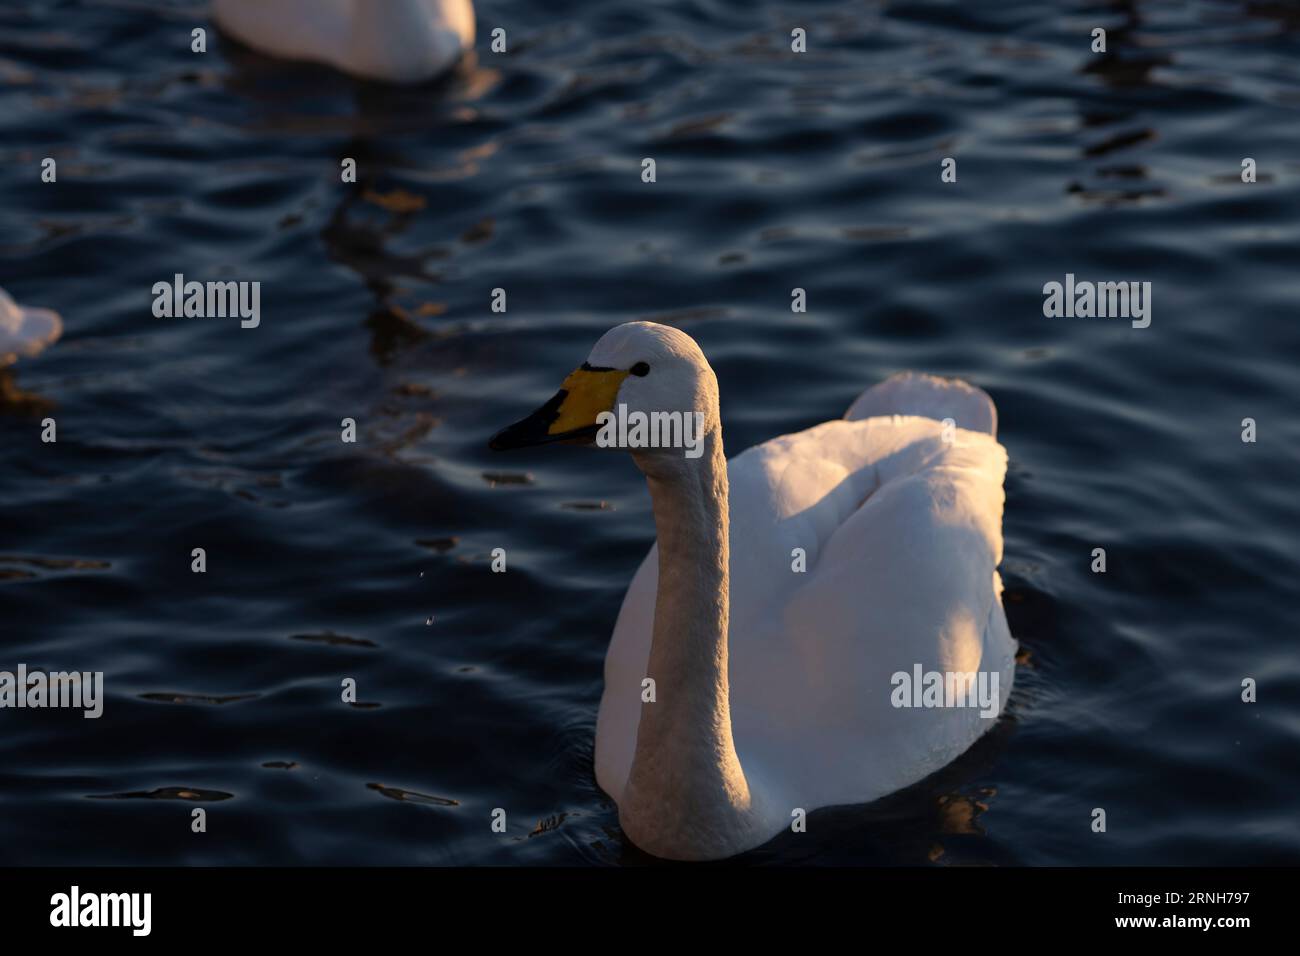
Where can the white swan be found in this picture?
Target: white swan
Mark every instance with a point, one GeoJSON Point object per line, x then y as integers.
{"type": "Point", "coordinates": [396, 41]}
{"type": "Point", "coordinates": [774, 690]}
{"type": "Point", "coordinates": [25, 332]}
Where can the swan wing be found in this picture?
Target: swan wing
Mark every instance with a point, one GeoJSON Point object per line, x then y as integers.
{"type": "Point", "coordinates": [905, 582]}
{"type": "Point", "coordinates": [914, 393]}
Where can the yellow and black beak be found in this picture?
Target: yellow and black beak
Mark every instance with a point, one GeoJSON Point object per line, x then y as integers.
{"type": "Point", "coordinates": [570, 416]}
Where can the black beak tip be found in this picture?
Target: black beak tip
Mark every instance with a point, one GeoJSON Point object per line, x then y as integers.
{"type": "Point", "coordinates": [522, 434]}
{"type": "Point", "coordinates": [531, 434]}
{"type": "Point", "coordinates": [502, 440]}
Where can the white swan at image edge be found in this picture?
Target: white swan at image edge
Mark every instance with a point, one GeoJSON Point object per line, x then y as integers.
{"type": "Point", "coordinates": [773, 688]}
{"type": "Point", "coordinates": [394, 41]}
{"type": "Point", "coordinates": [25, 332]}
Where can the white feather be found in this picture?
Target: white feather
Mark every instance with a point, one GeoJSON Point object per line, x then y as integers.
{"type": "Point", "coordinates": [396, 41]}
{"type": "Point", "coordinates": [25, 332]}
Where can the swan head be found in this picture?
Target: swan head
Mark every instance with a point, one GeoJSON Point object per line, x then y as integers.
{"type": "Point", "coordinates": [645, 388]}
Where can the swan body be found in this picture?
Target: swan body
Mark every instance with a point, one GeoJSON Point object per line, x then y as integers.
{"type": "Point", "coordinates": [25, 332]}
{"type": "Point", "coordinates": [394, 41]}
{"type": "Point", "coordinates": [775, 689]}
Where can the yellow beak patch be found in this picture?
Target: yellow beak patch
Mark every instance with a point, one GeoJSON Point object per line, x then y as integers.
{"type": "Point", "coordinates": [588, 393]}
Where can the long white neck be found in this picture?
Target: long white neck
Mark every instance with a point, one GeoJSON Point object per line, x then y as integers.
{"type": "Point", "coordinates": [686, 795]}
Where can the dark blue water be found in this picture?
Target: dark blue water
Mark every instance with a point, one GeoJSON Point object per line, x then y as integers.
{"type": "Point", "coordinates": [522, 172]}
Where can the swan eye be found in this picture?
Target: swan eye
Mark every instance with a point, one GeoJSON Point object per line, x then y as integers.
{"type": "Point", "coordinates": [640, 369]}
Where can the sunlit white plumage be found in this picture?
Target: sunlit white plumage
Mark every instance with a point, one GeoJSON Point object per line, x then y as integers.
{"type": "Point", "coordinates": [395, 41]}
{"type": "Point", "coordinates": [25, 332]}
{"type": "Point", "coordinates": [773, 688]}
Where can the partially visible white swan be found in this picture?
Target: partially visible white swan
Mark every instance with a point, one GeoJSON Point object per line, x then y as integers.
{"type": "Point", "coordinates": [396, 41]}
{"type": "Point", "coordinates": [774, 690]}
{"type": "Point", "coordinates": [25, 332]}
